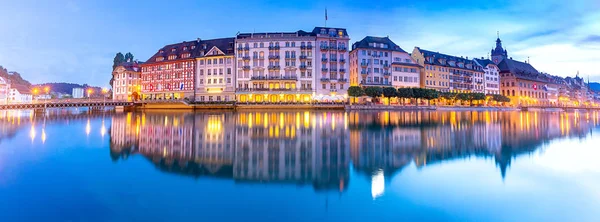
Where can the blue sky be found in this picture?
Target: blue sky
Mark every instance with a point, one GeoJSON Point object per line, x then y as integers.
{"type": "Point", "coordinates": [76, 40]}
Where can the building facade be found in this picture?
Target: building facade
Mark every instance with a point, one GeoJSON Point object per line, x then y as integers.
{"type": "Point", "coordinates": [169, 73]}
{"type": "Point", "coordinates": [449, 73]}
{"type": "Point", "coordinates": [20, 94]}
{"type": "Point", "coordinates": [378, 61]}
{"type": "Point", "coordinates": [215, 67]}
{"type": "Point", "coordinates": [4, 91]}
{"type": "Point", "coordinates": [492, 76]}
{"type": "Point", "coordinates": [126, 82]}
{"type": "Point", "coordinates": [77, 93]}
{"type": "Point", "coordinates": [287, 67]}
{"type": "Point", "coordinates": [520, 81]}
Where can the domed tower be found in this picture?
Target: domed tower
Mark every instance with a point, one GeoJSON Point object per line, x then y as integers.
{"type": "Point", "coordinates": [499, 53]}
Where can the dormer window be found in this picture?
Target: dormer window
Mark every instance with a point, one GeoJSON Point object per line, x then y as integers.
{"type": "Point", "coordinates": [193, 47]}
{"type": "Point", "coordinates": [323, 31]}
{"type": "Point", "coordinates": [161, 51]}
{"type": "Point", "coordinates": [171, 57]}
{"type": "Point", "coordinates": [158, 59]}
{"type": "Point", "coordinates": [185, 48]}
{"type": "Point", "coordinates": [173, 50]}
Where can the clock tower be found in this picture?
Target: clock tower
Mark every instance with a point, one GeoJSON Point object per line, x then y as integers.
{"type": "Point", "coordinates": [498, 54]}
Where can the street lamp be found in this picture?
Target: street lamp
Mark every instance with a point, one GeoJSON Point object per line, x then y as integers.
{"type": "Point", "coordinates": [104, 91]}
{"type": "Point", "coordinates": [89, 92]}
{"type": "Point", "coordinates": [35, 92]}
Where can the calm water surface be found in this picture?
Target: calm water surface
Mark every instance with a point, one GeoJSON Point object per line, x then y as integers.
{"type": "Point", "coordinates": [299, 166]}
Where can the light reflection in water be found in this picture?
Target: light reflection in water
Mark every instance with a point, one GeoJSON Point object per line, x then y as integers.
{"type": "Point", "coordinates": [310, 147]}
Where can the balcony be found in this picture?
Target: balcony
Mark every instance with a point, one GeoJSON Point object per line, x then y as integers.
{"type": "Point", "coordinates": [258, 78]}
{"type": "Point", "coordinates": [333, 59]}
{"type": "Point", "coordinates": [246, 58]}
{"type": "Point", "coordinates": [324, 60]}
{"type": "Point", "coordinates": [342, 80]}
{"type": "Point", "coordinates": [364, 73]}
{"type": "Point", "coordinates": [342, 70]}
{"type": "Point", "coordinates": [302, 67]}
{"type": "Point", "coordinates": [333, 71]}
{"type": "Point", "coordinates": [276, 47]}
{"type": "Point", "coordinates": [302, 47]}
{"type": "Point", "coordinates": [309, 47]}
{"type": "Point", "coordinates": [247, 48]}
{"type": "Point", "coordinates": [324, 69]}
{"type": "Point", "coordinates": [324, 47]}
{"type": "Point", "coordinates": [386, 73]}
{"type": "Point", "coordinates": [291, 57]}
{"type": "Point", "coordinates": [333, 90]}
{"type": "Point", "coordinates": [387, 66]}
{"type": "Point", "coordinates": [325, 80]}
{"type": "Point", "coordinates": [274, 67]}
{"type": "Point", "coordinates": [364, 64]}
{"type": "Point", "coordinates": [342, 48]}
{"type": "Point", "coordinates": [246, 67]}
{"type": "Point", "coordinates": [274, 57]}
{"type": "Point", "coordinates": [303, 57]}
{"type": "Point", "coordinates": [342, 60]}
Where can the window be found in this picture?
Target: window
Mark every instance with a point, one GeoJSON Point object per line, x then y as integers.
{"type": "Point", "coordinates": [228, 71]}
{"type": "Point", "coordinates": [324, 86]}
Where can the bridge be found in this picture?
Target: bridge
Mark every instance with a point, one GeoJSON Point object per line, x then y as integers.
{"type": "Point", "coordinates": [64, 104]}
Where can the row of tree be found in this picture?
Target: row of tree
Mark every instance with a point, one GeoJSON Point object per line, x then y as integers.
{"type": "Point", "coordinates": [421, 93]}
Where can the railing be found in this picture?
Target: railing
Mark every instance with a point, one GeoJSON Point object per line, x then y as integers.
{"type": "Point", "coordinates": [303, 57]}
{"type": "Point", "coordinates": [245, 58]}
{"type": "Point", "coordinates": [273, 57]}
{"type": "Point", "coordinates": [342, 60]}
{"type": "Point", "coordinates": [274, 47]}
{"type": "Point", "coordinates": [325, 79]}
{"type": "Point", "coordinates": [387, 73]}
{"type": "Point", "coordinates": [342, 70]}
{"type": "Point", "coordinates": [387, 66]}
{"type": "Point", "coordinates": [324, 69]}
{"type": "Point", "coordinates": [364, 64]}
{"type": "Point", "coordinates": [342, 80]}
{"type": "Point", "coordinates": [323, 59]}
{"type": "Point", "coordinates": [342, 48]}
{"type": "Point", "coordinates": [302, 66]}
{"type": "Point", "coordinates": [333, 59]}
{"type": "Point", "coordinates": [324, 47]}
{"type": "Point", "coordinates": [274, 67]}
{"type": "Point", "coordinates": [273, 90]}
{"type": "Point", "coordinates": [246, 67]}
{"type": "Point", "coordinates": [274, 77]}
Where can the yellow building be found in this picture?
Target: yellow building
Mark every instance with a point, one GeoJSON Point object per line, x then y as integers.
{"type": "Point", "coordinates": [433, 76]}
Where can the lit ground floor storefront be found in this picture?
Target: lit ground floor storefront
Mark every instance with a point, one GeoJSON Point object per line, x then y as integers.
{"type": "Point", "coordinates": [167, 95]}
{"type": "Point", "coordinates": [274, 97]}
{"type": "Point", "coordinates": [215, 97]}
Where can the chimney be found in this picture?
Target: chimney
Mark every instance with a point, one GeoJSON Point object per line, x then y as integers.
{"type": "Point", "coordinates": [198, 40]}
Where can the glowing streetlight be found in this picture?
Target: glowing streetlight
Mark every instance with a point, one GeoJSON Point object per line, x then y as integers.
{"type": "Point", "coordinates": [89, 92]}
{"type": "Point", "coordinates": [104, 91]}
{"type": "Point", "coordinates": [47, 89]}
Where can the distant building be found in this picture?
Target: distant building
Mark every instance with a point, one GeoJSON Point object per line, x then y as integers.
{"type": "Point", "coordinates": [448, 73]}
{"type": "Point", "coordinates": [492, 76]}
{"type": "Point", "coordinates": [78, 93]}
{"type": "Point", "coordinates": [520, 81]}
{"type": "Point", "coordinates": [126, 81]}
{"type": "Point", "coordinates": [377, 61]}
{"type": "Point", "coordinates": [20, 94]}
{"type": "Point", "coordinates": [4, 91]}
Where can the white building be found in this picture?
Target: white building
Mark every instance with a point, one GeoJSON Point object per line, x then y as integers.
{"type": "Point", "coordinates": [215, 67]}
{"type": "Point", "coordinates": [4, 91]}
{"type": "Point", "coordinates": [282, 67]}
{"type": "Point", "coordinates": [77, 93]}
{"type": "Point", "coordinates": [492, 78]}
{"type": "Point", "coordinates": [126, 82]}
{"type": "Point", "coordinates": [20, 94]}
{"type": "Point", "coordinates": [377, 61]}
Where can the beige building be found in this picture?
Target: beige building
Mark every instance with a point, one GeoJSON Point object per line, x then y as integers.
{"type": "Point", "coordinates": [215, 67]}
{"type": "Point", "coordinates": [126, 82]}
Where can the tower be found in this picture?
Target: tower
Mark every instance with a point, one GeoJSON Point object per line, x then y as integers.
{"type": "Point", "coordinates": [499, 53]}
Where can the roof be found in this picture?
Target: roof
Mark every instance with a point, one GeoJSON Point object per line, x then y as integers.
{"type": "Point", "coordinates": [365, 43]}
{"type": "Point", "coordinates": [522, 70]}
{"type": "Point", "coordinates": [130, 66]}
{"type": "Point", "coordinates": [446, 60]}
{"type": "Point", "coordinates": [317, 30]}
{"type": "Point", "coordinates": [21, 88]}
{"type": "Point", "coordinates": [224, 44]}
{"type": "Point", "coordinates": [2, 81]}
{"type": "Point", "coordinates": [175, 49]}
{"type": "Point", "coordinates": [298, 33]}
{"type": "Point", "coordinates": [484, 62]}
{"type": "Point", "coordinates": [195, 48]}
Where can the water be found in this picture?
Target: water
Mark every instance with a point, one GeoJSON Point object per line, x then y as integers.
{"type": "Point", "coordinates": [299, 166]}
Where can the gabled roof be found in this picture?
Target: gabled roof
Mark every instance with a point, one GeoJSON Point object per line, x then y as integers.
{"type": "Point", "coordinates": [130, 66]}
{"type": "Point", "coordinates": [224, 45]}
{"type": "Point", "coordinates": [365, 43]}
{"type": "Point", "coordinates": [436, 56]}
{"type": "Point", "coordinates": [484, 62]}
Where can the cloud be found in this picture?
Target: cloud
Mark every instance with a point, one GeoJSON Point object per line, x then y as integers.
{"type": "Point", "coordinates": [591, 39]}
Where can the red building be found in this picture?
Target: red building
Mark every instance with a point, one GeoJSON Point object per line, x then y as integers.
{"type": "Point", "coordinates": [169, 74]}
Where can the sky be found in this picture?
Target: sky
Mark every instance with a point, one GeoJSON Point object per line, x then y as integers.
{"type": "Point", "coordinates": [76, 40]}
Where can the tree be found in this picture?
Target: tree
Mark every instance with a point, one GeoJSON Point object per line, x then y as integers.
{"type": "Point", "coordinates": [128, 57]}
{"type": "Point", "coordinates": [462, 96]}
{"type": "Point", "coordinates": [119, 58]}
{"type": "Point", "coordinates": [476, 97]}
{"type": "Point", "coordinates": [431, 94]}
{"type": "Point", "coordinates": [355, 91]}
{"type": "Point", "coordinates": [419, 93]}
{"type": "Point", "coordinates": [373, 92]}
{"type": "Point", "coordinates": [405, 93]}
{"type": "Point", "coordinates": [389, 92]}
{"type": "Point", "coordinates": [135, 96]}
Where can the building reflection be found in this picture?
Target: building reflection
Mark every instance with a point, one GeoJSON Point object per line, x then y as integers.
{"type": "Point", "coordinates": [316, 147]}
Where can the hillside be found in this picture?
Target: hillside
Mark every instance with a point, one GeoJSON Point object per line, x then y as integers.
{"type": "Point", "coordinates": [13, 77]}
{"type": "Point", "coordinates": [67, 88]}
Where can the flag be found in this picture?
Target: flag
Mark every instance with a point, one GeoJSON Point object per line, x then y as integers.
{"type": "Point", "coordinates": [325, 14]}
